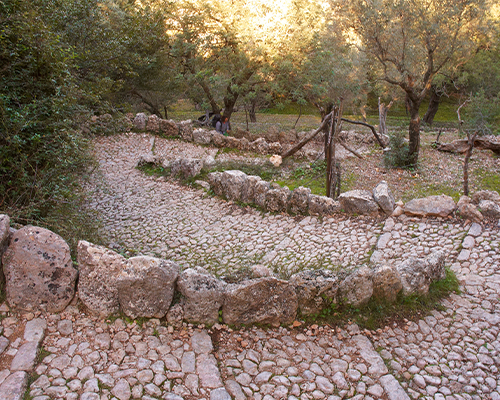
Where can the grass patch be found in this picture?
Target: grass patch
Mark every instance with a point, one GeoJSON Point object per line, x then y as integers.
{"type": "Point", "coordinates": [377, 314]}
{"type": "Point", "coordinates": [489, 180]}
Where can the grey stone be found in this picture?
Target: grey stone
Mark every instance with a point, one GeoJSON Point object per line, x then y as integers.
{"type": "Point", "coordinates": [489, 209]}
{"type": "Point", "coordinates": [140, 122]}
{"type": "Point", "coordinates": [99, 269]}
{"type": "Point", "coordinates": [215, 181]}
{"type": "Point", "coordinates": [261, 188]}
{"type": "Point", "coordinates": [475, 230]}
{"type": "Point", "coordinates": [383, 240]}
{"type": "Point", "coordinates": [38, 270]}
{"type": "Point", "coordinates": [208, 372]}
{"type": "Point", "coordinates": [322, 205]}
{"type": "Point", "coordinates": [468, 242]}
{"type": "Point", "coordinates": [315, 290]}
{"type": "Point", "coordinates": [122, 390]}
{"type": "Point", "coordinates": [65, 327]}
{"type": "Point", "coordinates": [146, 286]}
{"type": "Point", "coordinates": [219, 394]}
{"type": "Point", "coordinates": [186, 130]}
{"type": "Point", "coordinates": [383, 196]}
{"type": "Point", "coordinates": [35, 330]}
{"type": "Point", "coordinates": [357, 288]}
{"type": "Point", "coordinates": [358, 202]}
{"type": "Point", "coordinates": [299, 200]}
{"type": "Point", "coordinates": [248, 189]}
{"type": "Point", "coordinates": [14, 386]}
{"type": "Point", "coordinates": [439, 206]}
{"type": "Point", "coordinates": [25, 357]}
{"type": "Point", "coordinates": [386, 283]}
{"type": "Point", "coordinates": [367, 352]}
{"type": "Point", "coordinates": [201, 342]}
{"type": "Point", "coordinates": [153, 124]}
{"type": "Point", "coordinates": [232, 183]}
{"type": "Point", "coordinates": [417, 274]}
{"type": "Point", "coordinates": [264, 300]}
{"type": "Point", "coordinates": [169, 127]}
{"type": "Point", "coordinates": [203, 296]}
{"type": "Point", "coordinates": [277, 199]}
{"type": "Point", "coordinates": [324, 385]}
{"type": "Point", "coordinates": [202, 136]}
{"type": "Point", "coordinates": [234, 389]}
{"type": "Point", "coordinates": [482, 195]}
{"type": "Point", "coordinates": [392, 388]}
{"type": "Point", "coordinates": [468, 210]}
{"type": "Point", "coordinates": [4, 343]}
{"type": "Point", "coordinates": [260, 146]}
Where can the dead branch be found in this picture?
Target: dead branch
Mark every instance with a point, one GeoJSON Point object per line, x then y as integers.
{"type": "Point", "coordinates": [342, 143]}
{"type": "Point", "coordinates": [372, 128]}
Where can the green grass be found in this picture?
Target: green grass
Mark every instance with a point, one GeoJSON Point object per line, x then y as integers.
{"type": "Point", "coordinates": [377, 314]}
{"type": "Point", "coordinates": [424, 189]}
{"type": "Point", "coordinates": [488, 180]}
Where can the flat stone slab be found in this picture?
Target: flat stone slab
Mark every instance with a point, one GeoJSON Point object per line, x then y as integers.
{"type": "Point", "coordinates": [14, 386]}
{"type": "Point", "coordinates": [201, 342]}
{"type": "Point", "coordinates": [475, 230]}
{"type": "Point", "coordinates": [208, 371]}
{"type": "Point", "coordinates": [393, 388]}
{"type": "Point", "coordinates": [25, 357]}
{"type": "Point", "coordinates": [34, 330]}
{"type": "Point", "coordinates": [4, 343]}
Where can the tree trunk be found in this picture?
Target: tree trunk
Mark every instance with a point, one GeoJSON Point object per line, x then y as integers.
{"type": "Point", "coordinates": [251, 113]}
{"type": "Point", "coordinates": [208, 93]}
{"type": "Point", "coordinates": [330, 155]}
{"type": "Point", "coordinates": [414, 132]}
{"type": "Point", "coordinates": [433, 107]}
{"type": "Point", "coordinates": [382, 116]}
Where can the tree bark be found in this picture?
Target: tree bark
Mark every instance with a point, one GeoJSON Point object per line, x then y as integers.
{"type": "Point", "coordinates": [414, 132]}
{"type": "Point", "coordinates": [253, 116]}
{"type": "Point", "coordinates": [208, 93]}
{"type": "Point", "coordinates": [382, 116]}
{"type": "Point", "coordinates": [433, 107]}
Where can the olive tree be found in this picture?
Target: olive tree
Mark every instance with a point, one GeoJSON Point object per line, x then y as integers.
{"type": "Point", "coordinates": [411, 41]}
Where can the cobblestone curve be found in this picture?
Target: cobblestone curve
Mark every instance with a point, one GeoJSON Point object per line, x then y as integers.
{"type": "Point", "coordinates": [451, 354]}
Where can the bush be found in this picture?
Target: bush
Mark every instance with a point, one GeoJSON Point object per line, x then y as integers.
{"type": "Point", "coordinates": [397, 156]}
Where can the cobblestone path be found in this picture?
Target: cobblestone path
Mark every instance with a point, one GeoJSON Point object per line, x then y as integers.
{"type": "Point", "coordinates": [451, 354]}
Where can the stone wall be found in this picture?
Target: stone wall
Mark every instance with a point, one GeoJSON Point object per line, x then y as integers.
{"type": "Point", "coordinates": [40, 275]}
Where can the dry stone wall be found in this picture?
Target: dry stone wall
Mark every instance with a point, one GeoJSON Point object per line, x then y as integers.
{"type": "Point", "coordinates": [40, 273]}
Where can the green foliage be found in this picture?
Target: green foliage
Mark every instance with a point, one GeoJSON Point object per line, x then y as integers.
{"type": "Point", "coordinates": [397, 156]}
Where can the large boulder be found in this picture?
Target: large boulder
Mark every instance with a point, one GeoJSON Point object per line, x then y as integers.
{"type": "Point", "coordinates": [215, 181]}
{"type": "Point", "coordinates": [186, 130]}
{"type": "Point", "coordinates": [417, 274]}
{"type": "Point", "coordinates": [358, 202]}
{"type": "Point", "coordinates": [203, 296]}
{"type": "Point", "coordinates": [232, 142]}
{"type": "Point", "coordinates": [153, 124]}
{"type": "Point", "coordinates": [315, 290]}
{"type": "Point", "coordinates": [490, 195]}
{"type": "Point", "coordinates": [218, 140]}
{"type": "Point", "coordinates": [272, 134]}
{"type": "Point", "coordinates": [299, 200]}
{"type": "Point", "coordinates": [357, 288]}
{"type": "Point", "coordinates": [438, 206]}
{"type": "Point", "coordinates": [232, 184]}
{"type": "Point", "coordinates": [467, 210]}
{"type": "Point", "coordinates": [277, 199]}
{"type": "Point", "coordinates": [261, 188]}
{"type": "Point", "coordinates": [383, 196]}
{"type": "Point", "coordinates": [490, 209]}
{"type": "Point", "coordinates": [262, 301]}
{"type": "Point", "coordinates": [149, 159]}
{"type": "Point", "coordinates": [322, 205]}
{"type": "Point", "coordinates": [248, 189]}
{"type": "Point", "coordinates": [146, 286]}
{"type": "Point", "coordinates": [386, 283]}
{"type": "Point", "coordinates": [202, 136]}
{"type": "Point", "coordinates": [38, 270]}
{"type": "Point", "coordinates": [140, 122]}
{"type": "Point", "coordinates": [243, 144]}
{"type": "Point", "coordinates": [169, 127]}
{"type": "Point", "coordinates": [99, 271]}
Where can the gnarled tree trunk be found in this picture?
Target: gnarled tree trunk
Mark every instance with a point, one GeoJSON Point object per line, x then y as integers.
{"type": "Point", "coordinates": [433, 106]}
{"type": "Point", "coordinates": [414, 131]}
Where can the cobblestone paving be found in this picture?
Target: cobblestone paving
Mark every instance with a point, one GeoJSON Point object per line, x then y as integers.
{"type": "Point", "coordinates": [451, 354]}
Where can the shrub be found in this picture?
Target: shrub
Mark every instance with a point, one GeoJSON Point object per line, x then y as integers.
{"type": "Point", "coordinates": [397, 156]}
